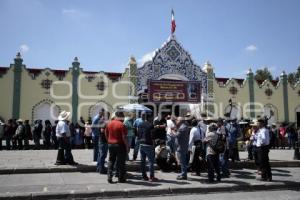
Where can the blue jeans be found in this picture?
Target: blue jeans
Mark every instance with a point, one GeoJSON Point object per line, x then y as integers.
{"type": "Point", "coordinates": [129, 140]}
{"type": "Point", "coordinates": [183, 162]}
{"type": "Point", "coordinates": [149, 152]}
{"type": "Point", "coordinates": [96, 147]}
{"type": "Point", "coordinates": [224, 162]}
{"type": "Point", "coordinates": [103, 148]}
{"type": "Point", "coordinates": [136, 147]}
{"type": "Point", "coordinates": [171, 143]}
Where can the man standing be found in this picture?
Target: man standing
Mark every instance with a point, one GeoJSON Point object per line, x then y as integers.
{"type": "Point", "coordinates": [146, 139]}
{"type": "Point", "coordinates": [1, 133]}
{"type": "Point", "coordinates": [8, 133]}
{"type": "Point", "coordinates": [171, 133]}
{"type": "Point", "coordinates": [27, 135]}
{"type": "Point", "coordinates": [97, 120]}
{"type": "Point", "coordinates": [183, 145]}
{"type": "Point", "coordinates": [20, 132]}
{"type": "Point", "coordinates": [262, 144]}
{"type": "Point", "coordinates": [63, 135]}
{"type": "Point", "coordinates": [118, 147]}
{"type": "Point", "coordinates": [211, 154]}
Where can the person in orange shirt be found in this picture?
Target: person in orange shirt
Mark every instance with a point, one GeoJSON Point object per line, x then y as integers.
{"type": "Point", "coordinates": [116, 134]}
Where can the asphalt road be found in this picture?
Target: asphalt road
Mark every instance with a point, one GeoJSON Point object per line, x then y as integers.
{"type": "Point", "coordinates": [263, 195]}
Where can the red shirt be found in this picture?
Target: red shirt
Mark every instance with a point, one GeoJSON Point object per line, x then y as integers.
{"type": "Point", "coordinates": [115, 131]}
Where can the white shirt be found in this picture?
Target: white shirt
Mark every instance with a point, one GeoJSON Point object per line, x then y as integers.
{"type": "Point", "coordinates": [203, 127]}
{"type": "Point", "coordinates": [195, 135]}
{"type": "Point", "coordinates": [263, 137]}
{"type": "Point", "coordinates": [62, 129]}
{"type": "Point", "coordinates": [170, 126]}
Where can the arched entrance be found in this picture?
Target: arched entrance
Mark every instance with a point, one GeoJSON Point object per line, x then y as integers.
{"type": "Point", "coordinates": [270, 112]}
{"type": "Point", "coordinates": [45, 110]}
{"type": "Point", "coordinates": [99, 106]}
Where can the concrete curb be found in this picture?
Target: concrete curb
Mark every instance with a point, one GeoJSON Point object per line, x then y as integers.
{"type": "Point", "coordinates": [147, 192]}
{"type": "Point", "coordinates": [132, 167]}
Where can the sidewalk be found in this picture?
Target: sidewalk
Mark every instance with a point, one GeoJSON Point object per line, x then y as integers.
{"type": "Point", "coordinates": [42, 161]}
{"type": "Point", "coordinates": [95, 186]}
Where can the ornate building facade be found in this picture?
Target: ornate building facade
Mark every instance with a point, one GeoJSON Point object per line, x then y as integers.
{"type": "Point", "coordinates": [42, 93]}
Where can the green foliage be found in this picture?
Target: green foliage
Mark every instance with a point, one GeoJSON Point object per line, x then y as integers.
{"type": "Point", "coordinates": [263, 74]}
{"type": "Point", "coordinates": [294, 77]}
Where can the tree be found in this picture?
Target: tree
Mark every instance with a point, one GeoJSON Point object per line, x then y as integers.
{"type": "Point", "coordinates": [293, 78]}
{"type": "Point", "coordinates": [263, 74]}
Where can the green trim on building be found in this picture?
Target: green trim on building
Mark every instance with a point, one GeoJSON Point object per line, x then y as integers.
{"type": "Point", "coordinates": [17, 88]}
{"type": "Point", "coordinates": [251, 94]}
{"type": "Point", "coordinates": [285, 97]}
{"type": "Point", "coordinates": [75, 75]}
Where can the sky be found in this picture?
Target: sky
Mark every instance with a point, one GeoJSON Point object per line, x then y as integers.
{"type": "Point", "coordinates": [233, 35]}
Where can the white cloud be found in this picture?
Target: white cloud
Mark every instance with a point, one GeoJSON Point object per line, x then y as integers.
{"type": "Point", "coordinates": [75, 13]}
{"type": "Point", "coordinates": [69, 11]}
{"type": "Point", "coordinates": [24, 48]}
{"type": "Point", "coordinates": [251, 48]}
{"type": "Point", "coordinates": [147, 57]}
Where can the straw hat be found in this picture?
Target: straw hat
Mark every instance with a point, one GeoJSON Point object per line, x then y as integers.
{"type": "Point", "coordinates": [20, 120]}
{"type": "Point", "coordinates": [254, 123]}
{"type": "Point", "coordinates": [64, 115]}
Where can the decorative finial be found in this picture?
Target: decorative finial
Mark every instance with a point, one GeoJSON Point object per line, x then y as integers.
{"type": "Point", "coordinates": [249, 71]}
{"type": "Point", "coordinates": [132, 60]}
{"type": "Point", "coordinates": [18, 56]}
{"type": "Point", "coordinates": [76, 59]}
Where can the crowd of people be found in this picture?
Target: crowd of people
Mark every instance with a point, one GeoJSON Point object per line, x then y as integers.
{"type": "Point", "coordinates": [195, 145]}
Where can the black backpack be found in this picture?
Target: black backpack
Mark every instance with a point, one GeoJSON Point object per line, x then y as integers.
{"type": "Point", "coordinates": [219, 146]}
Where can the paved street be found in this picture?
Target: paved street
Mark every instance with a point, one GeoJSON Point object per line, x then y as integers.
{"type": "Point", "coordinates": [264, 195]}
{"type": "Point", "coordinates": [94, 184]}
{"type": "Point", "coordinates": [25, 174]}
{"type": "Point", "coordinates": [35, 161]}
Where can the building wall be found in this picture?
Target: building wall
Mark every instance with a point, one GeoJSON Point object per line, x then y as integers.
{"type": "Point", "coordinates": [34, 95]}
{"type": "Point", "coordinates": [294, 100]}
{"type": "Point", "coordinates": [6, 94]}
{"type": "Point", "coordinates": [222, 96]}
{"type": "Point", "coordinates": [117, 93]}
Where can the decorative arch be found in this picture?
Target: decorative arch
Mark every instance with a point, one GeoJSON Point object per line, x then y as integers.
{"type": "Point", "coordinates": [95, 109]}
{"type": "Point", "coordinates": [42, 110]}
{"type": "Point", "coordinates": [171, 58]}
{"type": "Point", "coordinates": [270, 112]}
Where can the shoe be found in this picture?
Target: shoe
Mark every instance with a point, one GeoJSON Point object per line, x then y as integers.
{"type": "Point", "coordinates": [122, 180]}
{"type": "Point", "coordinates": [153, 179]}
{"type": "Point", "coordinates": [73, 163]}
{"type": "Point", "coordinates": [103, 171]}
{"type": "Point", "coordinates": [145, 178]}
{"type": "Point", "coordinates": [181, 178]}
{"type": "Point", "coordinates": [60, 163]}
{"type": "Point", "coordinates": [109, 180]}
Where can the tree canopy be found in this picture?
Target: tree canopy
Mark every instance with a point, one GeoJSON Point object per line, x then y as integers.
{"type": "Point", "coordinates": [294, 77]}
{"type": "Point", "coordinates": [263, 74]}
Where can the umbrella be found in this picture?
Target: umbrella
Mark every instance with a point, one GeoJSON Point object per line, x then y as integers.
{"type": "Point", "coordinates": [136, 107]}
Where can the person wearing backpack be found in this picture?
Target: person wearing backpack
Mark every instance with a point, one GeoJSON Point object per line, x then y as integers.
{"type": "Point", "coordinates": [212, 155]}
{"type": "Point", "coordinates": [195, 147]}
